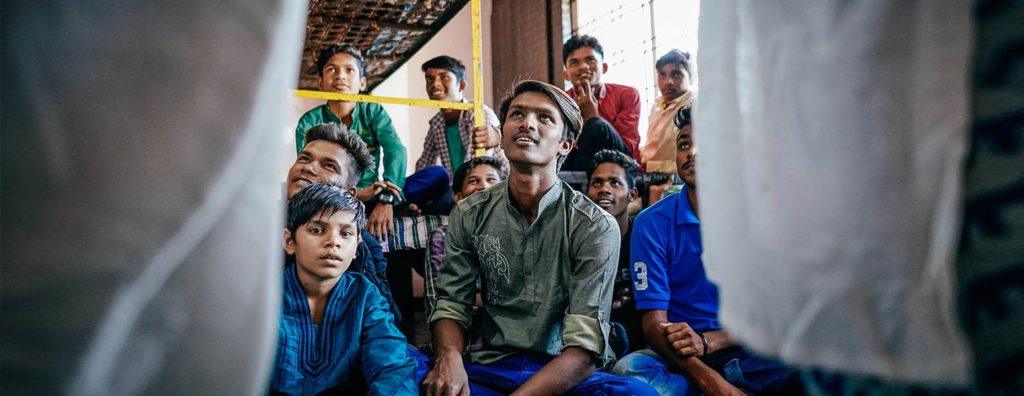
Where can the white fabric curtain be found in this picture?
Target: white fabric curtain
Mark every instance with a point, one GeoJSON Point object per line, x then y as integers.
{"type": "Point", "coordinates": [832, 139]}
{"type": "Point", "coordinates": [141, 211]}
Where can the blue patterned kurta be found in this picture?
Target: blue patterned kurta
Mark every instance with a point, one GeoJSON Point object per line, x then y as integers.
{"type": "Point", "coordinates": [355, 349]}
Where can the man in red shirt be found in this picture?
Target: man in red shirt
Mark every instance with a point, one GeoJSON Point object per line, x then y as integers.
{"type": "Point", "coordinates": [619, 105]}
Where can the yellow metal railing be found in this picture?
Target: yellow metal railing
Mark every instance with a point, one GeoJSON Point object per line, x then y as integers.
{"type": "Point", "coordinates": [478, 85]}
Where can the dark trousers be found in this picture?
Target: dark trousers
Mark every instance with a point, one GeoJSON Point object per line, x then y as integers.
{"type": "Point", "coordinates": [508, 374]}
{"type": "Point", "coordinates": [597, 135]}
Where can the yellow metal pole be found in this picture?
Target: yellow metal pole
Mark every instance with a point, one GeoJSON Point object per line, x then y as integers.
{"type": "Point", "coordinates": [478, 72]}
{"type": "Point", "coordinates": [440, 104]}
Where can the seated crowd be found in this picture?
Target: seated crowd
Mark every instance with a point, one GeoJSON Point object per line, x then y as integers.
{"type": "Point", "coordinates": [532, 287]}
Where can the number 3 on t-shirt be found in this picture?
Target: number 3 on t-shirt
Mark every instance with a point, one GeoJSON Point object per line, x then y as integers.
{"type": "Point", "coordinates": [641, 276]}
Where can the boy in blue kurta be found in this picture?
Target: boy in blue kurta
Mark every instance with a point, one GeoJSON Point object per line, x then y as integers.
{"type": "Point", "coordinates": [337, 335]}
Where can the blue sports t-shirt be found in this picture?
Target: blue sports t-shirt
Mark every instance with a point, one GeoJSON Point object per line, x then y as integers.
{"type": "Point", "coordinates": [667, 270]}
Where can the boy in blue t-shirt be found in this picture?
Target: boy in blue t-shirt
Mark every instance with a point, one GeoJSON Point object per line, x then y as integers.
{"type": "Point", "coordinates": [336, 331]}
{"type": "Point", "coordinates": [680, 305]}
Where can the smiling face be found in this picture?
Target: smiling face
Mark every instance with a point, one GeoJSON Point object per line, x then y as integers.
{"type": "Point", "coordinates": [442, 84]}
{"type": "Point", "coordinates": [686, 155]}
{"type": "Point", "coordinates": [585, 64]}
{"type": "Point", "coordinates": [325, 246]}
{"type": "Point", "coordinates": [532, 131]}
{"type": "Point", "coordinates": [609, 190]}
{"type": "Point", "coordinates": [479, 178]}
{"type": "Point", "coordinates": [320, 161]}
{"type": "Point", "coordinates": [341, 74]}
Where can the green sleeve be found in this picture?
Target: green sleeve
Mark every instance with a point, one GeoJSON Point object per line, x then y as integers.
{"type": "Point", "coordinates": [305, 123]}
{"type": "Point", "coordinates": [395, 157]}
{"type": "Point", "coordinates": [590, 292]}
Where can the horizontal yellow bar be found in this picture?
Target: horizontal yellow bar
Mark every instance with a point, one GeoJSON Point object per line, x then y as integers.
{"type": "Point", "coordinates": [440, 104]}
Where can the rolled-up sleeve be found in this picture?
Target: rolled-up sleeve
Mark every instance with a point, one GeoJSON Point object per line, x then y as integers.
{"type": "Point", "coordinates": [593, 277]}
{"type": "Point", "coordinates": [456, 282]}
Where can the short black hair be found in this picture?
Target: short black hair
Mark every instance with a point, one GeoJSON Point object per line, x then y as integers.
{"type": "Point", "coordinates": [683, 117]}
{"type": "Point", "coordinates": [359, 157]}
{"type": "Point", "coordinates": [322, 199]}
{"type": "Point", "coordinates": [675, 56]}
{"type": "Point", "coordinates": [333, 50]}
{"type": "Point", "coordinates": [628, 164]}
{"type": "Point", "coordinates": [460, 173]}
{"type": "Point", "coordinates": [568, 108]}
{"type": "Point", "coordinates": [448, 63]}
{"type": "Point", "coordinates": [576, 42]}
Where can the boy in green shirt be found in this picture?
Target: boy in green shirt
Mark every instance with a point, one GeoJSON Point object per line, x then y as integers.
{"type": "Point", "coordinates": [340, 68]}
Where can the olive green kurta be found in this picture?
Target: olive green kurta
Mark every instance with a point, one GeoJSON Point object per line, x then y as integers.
{"type": "Point", "coordinates": [546, 286]}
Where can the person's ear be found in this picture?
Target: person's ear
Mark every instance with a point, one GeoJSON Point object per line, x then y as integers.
{"type": "Point", "coordinates": [633, 194]}
{"type": "Point", "coordinates": [462, 85]}
{"type": "Point", "coordinates": [457, 196]}
{"type": "Point", "coordinates": [565, 74]}
{"type": "Point", "coordinates": [289, 242]}
{"type": "Point", "coordinates": [604, 68]}
{"type": "Point", "coordinates": [566, 147]}
{"type": "Point", "coordinates": [320, 82]}
{"type": "Point", "coordinates": [362, 84]}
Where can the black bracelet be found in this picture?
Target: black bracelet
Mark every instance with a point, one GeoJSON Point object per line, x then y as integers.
{"type": "Point", "coordinates": [705, 341]}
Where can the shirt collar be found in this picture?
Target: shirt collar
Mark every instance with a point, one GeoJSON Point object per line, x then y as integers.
{"type": "Point", "coordinates": [549, 197]}
{"type": "Point", "coordinates": [661, 102]}
{"type": "Point", "coordinates": [329, 115]}
{"type": "Point", "coordinates": [684, 213]}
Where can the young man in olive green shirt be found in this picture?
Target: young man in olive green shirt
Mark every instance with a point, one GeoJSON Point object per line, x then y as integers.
{"type": "Point", "coordinates": [546, 257]}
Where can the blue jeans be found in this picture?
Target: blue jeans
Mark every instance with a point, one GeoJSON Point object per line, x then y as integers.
{"type": "Point", "coordinates": [743, 369]}
{"type": "Point", "coordinates": [508, 374]}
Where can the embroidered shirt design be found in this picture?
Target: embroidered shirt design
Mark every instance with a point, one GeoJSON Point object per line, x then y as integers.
{"type": "Point", "coordinates": [493, 264]}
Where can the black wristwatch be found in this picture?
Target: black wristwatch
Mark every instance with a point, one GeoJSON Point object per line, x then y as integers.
{"type": "Point", "coordinates": [386, 198]}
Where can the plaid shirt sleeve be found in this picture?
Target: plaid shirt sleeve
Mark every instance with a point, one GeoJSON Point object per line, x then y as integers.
{"type": "Point", "coordinates": [433, 147]}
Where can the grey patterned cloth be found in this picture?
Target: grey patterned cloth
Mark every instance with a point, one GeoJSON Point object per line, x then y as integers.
{"type": "Point", "coordinates": [838, 161]}
{"type": "Point", "coordinates": [141, 194]}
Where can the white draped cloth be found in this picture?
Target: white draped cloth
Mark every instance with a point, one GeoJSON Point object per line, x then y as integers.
{"type": "Point", "coordinates": [142, 208]}
{"type": "Point", "coordinates": [832, 137]}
